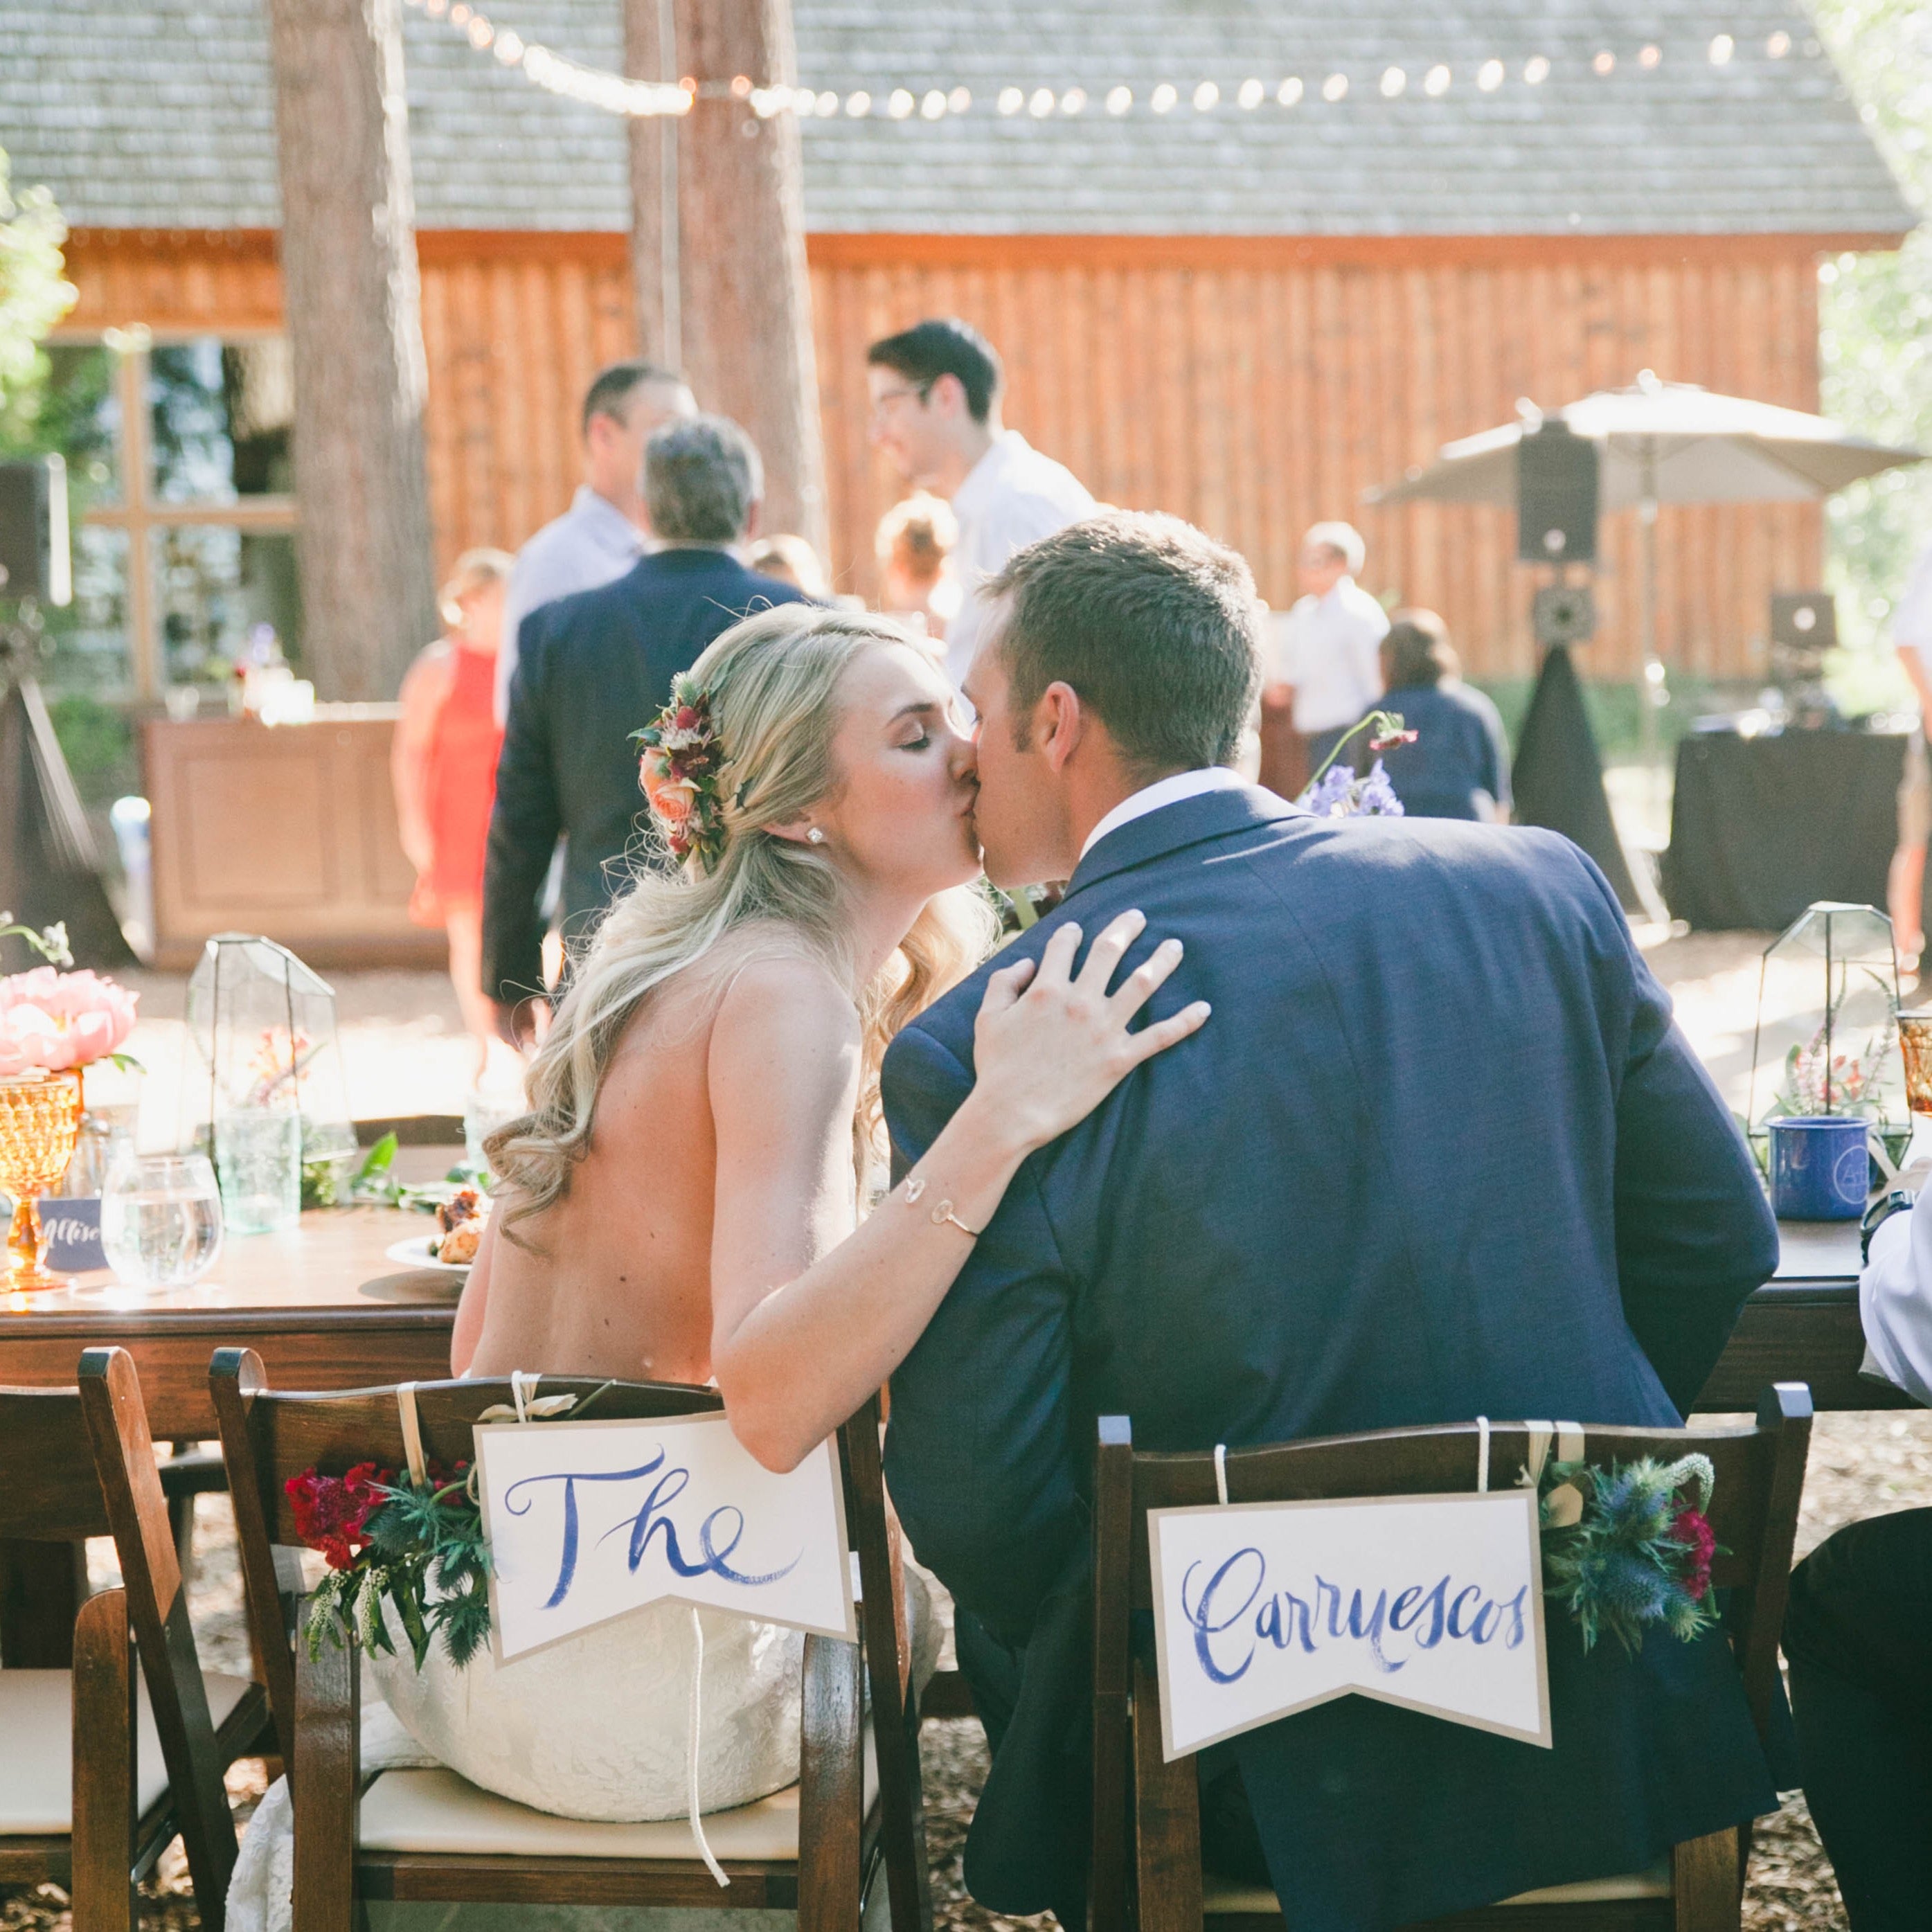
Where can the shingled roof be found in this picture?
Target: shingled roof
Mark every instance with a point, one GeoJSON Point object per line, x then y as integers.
{"type": "Point", "coordinates": [160, 114]}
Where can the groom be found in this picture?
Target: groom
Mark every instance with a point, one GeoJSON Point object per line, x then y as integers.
{"type": "Point", "coordinates": [1439, 1153]}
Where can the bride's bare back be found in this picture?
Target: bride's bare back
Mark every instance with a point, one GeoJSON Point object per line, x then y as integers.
{"type": "Point", "coordinates": [615, 1279]}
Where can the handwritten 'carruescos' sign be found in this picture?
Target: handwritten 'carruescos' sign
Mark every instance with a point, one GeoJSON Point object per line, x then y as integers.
{"type": "Point", "coordinates": [1434, 1603]}
{"type": "Point", "coordinates": [588, 1520]}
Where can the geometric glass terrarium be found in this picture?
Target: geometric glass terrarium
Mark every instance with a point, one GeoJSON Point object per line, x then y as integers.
{"type": "Point", "coordinates": [262, 1040]}
{"type": "Point", "coordinates": [1826, 1041]}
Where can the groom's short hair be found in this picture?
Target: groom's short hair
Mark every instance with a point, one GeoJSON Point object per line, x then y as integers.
{"type": "Point", "coordinates": [1152, 622]}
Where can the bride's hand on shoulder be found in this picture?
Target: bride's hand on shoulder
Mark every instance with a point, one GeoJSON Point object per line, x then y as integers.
{"type": "Point", "coordinates": [1050, 1044]}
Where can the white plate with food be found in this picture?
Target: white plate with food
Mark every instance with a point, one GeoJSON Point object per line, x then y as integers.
{"type": "Point", "coordinates": [451, 1248]}
{"type": "Point", "coordinates": [422, 1253]}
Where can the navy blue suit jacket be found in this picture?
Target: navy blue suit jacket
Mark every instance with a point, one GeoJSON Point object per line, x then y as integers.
{"type": "Point", "coordinates": [1440, 1152]}
{"type": "Point", "coordinates": [592, 669]}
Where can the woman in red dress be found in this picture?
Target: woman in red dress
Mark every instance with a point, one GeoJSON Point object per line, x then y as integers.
{"type": "Point", "coordinates": [444, 768]}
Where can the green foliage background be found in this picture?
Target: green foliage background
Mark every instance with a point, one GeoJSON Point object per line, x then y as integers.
{"type": "Point", "coordinates": [1875, 344]}
{"type": "Point", "coordinates": [34, 294]}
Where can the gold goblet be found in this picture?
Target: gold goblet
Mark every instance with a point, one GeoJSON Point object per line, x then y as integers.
{"type": "Point", "coordinates": [40, 1117]}
{"type": "Point", "coordinates": [1914, 1041]}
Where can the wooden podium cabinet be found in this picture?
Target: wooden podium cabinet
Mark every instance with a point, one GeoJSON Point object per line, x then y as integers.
{"type": "Point", "coordinates": [288, 830]}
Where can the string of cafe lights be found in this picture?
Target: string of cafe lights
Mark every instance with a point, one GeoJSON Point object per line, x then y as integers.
{"type": "Point", "coordinates": [617, 94]}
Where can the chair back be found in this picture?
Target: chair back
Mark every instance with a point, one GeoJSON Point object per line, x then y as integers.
{"type": "Point", "coordinates": [269, 1436]}
{"type": "Point", "coordinates": [80, 1462]}
{"type": "Point", "coordinates": [1760, 1478]}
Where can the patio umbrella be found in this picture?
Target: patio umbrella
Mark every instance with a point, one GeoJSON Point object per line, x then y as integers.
{"type": "Point", "coordinates": [1664, 442]}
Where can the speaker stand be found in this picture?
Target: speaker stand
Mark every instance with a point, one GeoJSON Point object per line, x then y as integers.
{"type": "Point", "coordinates": [1557, 777]}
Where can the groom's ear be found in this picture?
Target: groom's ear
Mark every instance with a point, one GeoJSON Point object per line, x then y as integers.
{"type": "Point", "coordinates": [1059, 722]}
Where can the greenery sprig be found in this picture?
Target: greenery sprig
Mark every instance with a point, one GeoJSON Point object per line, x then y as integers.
{"type": "Point", "coordinates": [1636, 1557]}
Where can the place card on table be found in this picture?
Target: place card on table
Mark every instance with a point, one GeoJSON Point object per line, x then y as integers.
{"type": "Point", "coordinates": [589, 1520]}
{"type": "Point", "coordinates": [73, 1228]}
{"type": "Point", "coordinates": [1433, 1603]}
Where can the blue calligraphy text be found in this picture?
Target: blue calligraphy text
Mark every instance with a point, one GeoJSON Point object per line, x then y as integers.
{"type": "Point", "coordinates": [724, 1524]}
{"type": "Point", "coordinates": [1233, 1610]}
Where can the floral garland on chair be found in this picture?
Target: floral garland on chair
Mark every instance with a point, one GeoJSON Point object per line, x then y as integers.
{"type": "Point", "coordinates": [418, 1546]}
{"type": "Point", "coordinates": [1632, 1556]}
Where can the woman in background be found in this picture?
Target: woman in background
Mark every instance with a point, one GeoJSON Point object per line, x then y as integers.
{"type": "Point", "coordinates": [792, 560]}
{"type": "Point", "coordinates": [913, 540]}
{"type": "Point", "coordinates": [1459, 765]}
{"type": "Point", "coordinates": [444, 767]}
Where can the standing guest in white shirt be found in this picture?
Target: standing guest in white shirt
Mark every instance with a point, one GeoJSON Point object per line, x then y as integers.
{"type": "Point", "coordinates": [935, 390]}
{"type": "Point", "coordinates": [1323, 662]}
{"type": "Point", "coordinates": [605, 530]}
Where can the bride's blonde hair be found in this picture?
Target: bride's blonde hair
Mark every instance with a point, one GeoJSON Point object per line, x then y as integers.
{"type": "Point", "coordinates": [772, 681]}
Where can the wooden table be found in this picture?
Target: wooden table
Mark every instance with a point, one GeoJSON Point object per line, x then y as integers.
{"type": "Point", "coordinates": [322, 1305]}
{"type": "Point", "coordinates": [1802, 1326]}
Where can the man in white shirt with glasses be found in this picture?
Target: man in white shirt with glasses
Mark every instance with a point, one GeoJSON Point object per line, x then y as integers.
{"type": "Point", "coordinates": [935, 392]}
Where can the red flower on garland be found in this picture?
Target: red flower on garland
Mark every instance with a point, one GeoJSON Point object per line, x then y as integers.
{"type": "Point", "coordinates": [1693, 1530]}
{"type": "Point", "coordinates": [330, 1511]}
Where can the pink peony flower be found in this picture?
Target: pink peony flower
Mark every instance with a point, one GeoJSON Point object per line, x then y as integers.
{"type": "Point", "coordinates": [56, 1020]}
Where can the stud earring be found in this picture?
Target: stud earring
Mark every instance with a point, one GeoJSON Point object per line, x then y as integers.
{"type": "Point", "coordinates": [815, 836]}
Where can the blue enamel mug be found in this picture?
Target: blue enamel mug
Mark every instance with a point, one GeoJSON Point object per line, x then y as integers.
{"type": "Point", "coordinates": [1819, 1168]}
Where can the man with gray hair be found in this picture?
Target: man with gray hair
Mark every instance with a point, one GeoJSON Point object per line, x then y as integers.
{"type": "Point", "coordinates": [595, 668]}
{"type": "Point", "coordinates": [1322, 663]}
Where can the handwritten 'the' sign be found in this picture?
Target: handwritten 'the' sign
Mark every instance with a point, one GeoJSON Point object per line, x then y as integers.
{"type": "Point", "coordinates": [1434, 1603]}
{"type": "Point", "coordinates": [588, 1520]}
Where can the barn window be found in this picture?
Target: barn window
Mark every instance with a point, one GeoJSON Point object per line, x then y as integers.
{"type": "Point", "coordinates": [183, 509]}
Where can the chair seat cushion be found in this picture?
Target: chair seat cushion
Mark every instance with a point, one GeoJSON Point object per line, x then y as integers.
{"type": "Point", "coordinates": [438, 1811]}
{"type": "Point", "coordinates": [1222, 1896]}
{"type": "Point", "coordinates": [37, 1766]}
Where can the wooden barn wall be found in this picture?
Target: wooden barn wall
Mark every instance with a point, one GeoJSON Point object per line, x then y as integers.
{"type": "Point", "coordinates": [1250, 386]}
{"type": "Point", "coordinates": [1254, 388]}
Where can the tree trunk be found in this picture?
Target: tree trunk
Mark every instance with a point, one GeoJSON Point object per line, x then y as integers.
{"type": "Point", "coordinates": [349, 269]}
{"type": "Point", "coordinates": [650, 54]}
{"type": "Point", "coordinates": [741, 309]}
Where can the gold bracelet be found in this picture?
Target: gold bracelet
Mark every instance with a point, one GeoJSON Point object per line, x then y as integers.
{"type": "Point", "coordinates": [943, 1212]}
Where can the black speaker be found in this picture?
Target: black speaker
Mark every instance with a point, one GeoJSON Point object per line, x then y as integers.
{"type": "Point", "coordinates": [1561, 616]}
{"type": "Point", "coordinates": [34, 557]}
{"type": "Point", "coordinates": [1555, 495]}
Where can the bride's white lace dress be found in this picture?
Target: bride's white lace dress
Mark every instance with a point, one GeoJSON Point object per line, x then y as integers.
{"type": "Point", "coordinates": [598, 1726]}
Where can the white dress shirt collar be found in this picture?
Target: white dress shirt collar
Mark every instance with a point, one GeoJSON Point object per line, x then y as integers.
{"type": "Point", "coordinates": [984, 478]}
{"type": "Point", "coordinates": [1163, 792]}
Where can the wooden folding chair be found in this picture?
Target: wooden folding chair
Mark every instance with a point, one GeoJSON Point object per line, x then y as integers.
{"type": "Point", "coordinates": [1147, 1826]}
{"type": "Point", "coordinates": [102, 1765]}
{"type": "Point", "coordinates": [818, 1849]}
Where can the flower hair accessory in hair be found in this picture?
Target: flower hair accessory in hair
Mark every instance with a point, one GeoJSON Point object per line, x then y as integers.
{"type": "Point", "coordinates": [679, 771]}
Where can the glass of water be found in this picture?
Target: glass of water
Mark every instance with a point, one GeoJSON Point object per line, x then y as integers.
{"type": "Point", "coordinates": [160, 1219]}
{"type": "Point", "coordinates": [258, 1154]}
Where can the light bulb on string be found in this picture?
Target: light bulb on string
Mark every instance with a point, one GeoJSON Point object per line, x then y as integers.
{"type": "Point", "coordinates": [1207, 96]}
{"type": "Point", "coordinates": [1650, 57]}
{"type": "Point", "coordinates": [1604, 64]}
{"type": "Point", "coordinates": [899, 103]}
{"type": "Point", "coordinates": [1435, 82]}
{"type": "Point", "coordinates": [1073, 101]}
{"type": "Point", "coordinates": [1012, 99]}
{"type": "Point", "coordinates": [1722, 47]}
{"type": "Point", "coordinates": [828, 104]}
{"type": "Point", "coordinates": [1164, 97]}
{"type": "Point", "coordinates": [1536, 70]}
{"type": "Point", "coordinates": [1119, 99]}
{"type": "Point", "coordinates": [1290, 91]}
{"type": "Point", "coordinates": [960, 101]}
{"type": "Point", "coordinates": [1251, 94]}
{"type": "Point", "coordinates": [933, 106]}
{"type": "Point", "coordinates": [509, 48]}
{"type": "Point", "coordinates": [1779, 45]}
{"type": "Point", "coordinates": [1489, 76]}
{"type": "Point", "coordinates": [859, 105]}
{"type": "Point", "coordinates": [1335, 88]}
{"type": "Point", "coordinates": [1394, 81]}
{"type": "Point", "coordinates": [1041, 105]}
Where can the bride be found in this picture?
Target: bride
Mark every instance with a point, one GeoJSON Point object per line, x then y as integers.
{"type": "Point", "coordinates": [685, 1200]}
